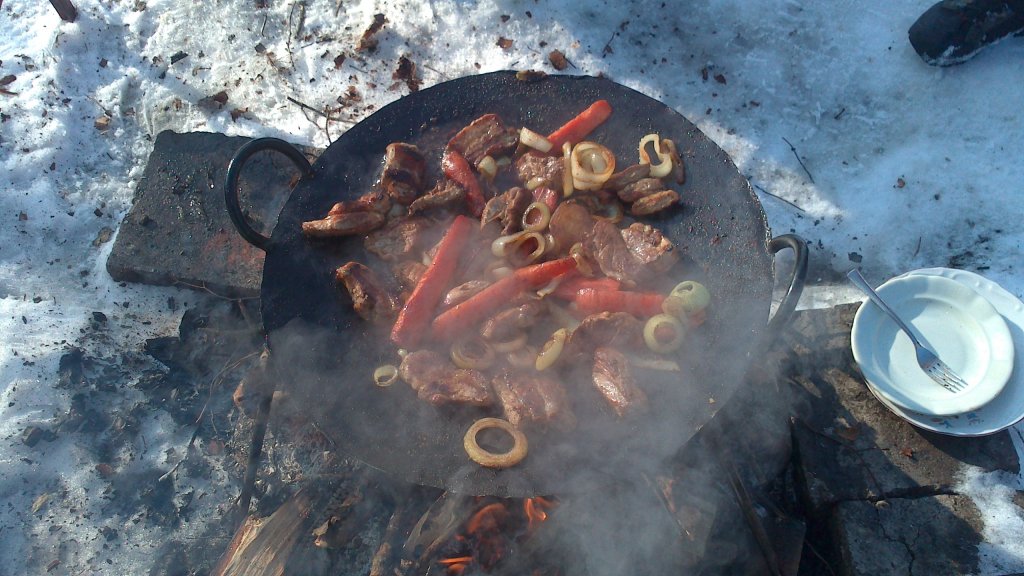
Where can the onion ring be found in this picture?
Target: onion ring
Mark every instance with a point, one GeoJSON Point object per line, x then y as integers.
{"type": "Point", "coordinates": [490, 459]}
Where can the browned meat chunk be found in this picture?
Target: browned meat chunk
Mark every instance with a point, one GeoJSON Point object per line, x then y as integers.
{"type": "Point", "coordinates": [375, 201]}
{"type": "Point", "coordinates": [604, 243]}
{"type": "Point", "coordinates": [347, 224]}
{"type": "Point", "coordinates": [371, 298]}
{"type": "Point", "coordinates": [408, 273]}
{"type": "Point", "coordinates": [436, 381]}
{"type": "Point", "coordinates": [531, 398]}
{"type": "Point", "coordinates": [613, 378]}
{"type": "Point", "coordinates": [650, 247]}
{"type": "Point", "coordinates": [606, 329]}
{"type": "Point", "coordinates": [630, 175]}
{"type": "Point", "coordinates": [654, 203]}
{"type": "Point", "coordinates": [570, 223]}
{"type": "Point", "coordinates": [399, 239]}
{"type": "Point", "coordinates": [505, 325]}
{"type": "Point", "coordinates": [485, 136]}
{"type": "Point", "coordinates": [640, 189]}
{"type": "Point", "coordinates": [512, 218]}
{"type": "Point", "coordinates": [404, 168]}
{"type": "Point", "coordinates": [462, 292]}
{"type": "Point", "coordinates": [536, 170]}
{"type": "Point", "coordinates": [447, 195]}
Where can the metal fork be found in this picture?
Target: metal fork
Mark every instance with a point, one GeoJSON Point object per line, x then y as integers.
{"type": "Point", "coordinates": [938, 370]}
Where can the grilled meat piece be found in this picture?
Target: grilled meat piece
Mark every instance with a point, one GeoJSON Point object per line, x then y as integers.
{"type": "Point", "coordinates": [570, 223]}
{"type": "Point", "coordinates": [606, 329]}
{"type": "Point", "coordinates": [654, 203]}
{"type": "Point", "coordinates": [371, 298]}
{"type": "Point", "coordinates": [447, 195]}
{"type": "Point", "coordinates": [399, 239]}
{"type": "Point", "coordinates": [346, 224]}
{"type": "Point", "coordinates": [540, 170]}
{"type": "Point", "coordinates": [404, 169]}
{"type": "Point", "coordinates": [438, 382]}
{"type": "Point", "coordinates": [640, 189]}
{"type": "Point", "coordinates": [628, 176]}
{"type": "Point", "coordinates": [532, 398]}
{"type": "Point", "coordinates": [505, 325]}
{"type": "Point", "coordinates": [373, 201]}
{"type": "Point", "coordinates": [613, 378]}
{"type": "Point", "coordinates": [650, 247]}
{"type": "Point", "coordinates": [408, 273]}
{"type": "Point", "coordinates": [485, 136]}
{"type": "Point", "coordinates": [605, 244]}
{"type": "Point", "coordinates": [512, 217]}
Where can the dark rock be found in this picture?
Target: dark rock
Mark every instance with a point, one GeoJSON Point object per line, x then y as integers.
{"type": "Point", "coordinates": [99, 317]}
{"type": "Point", "coordinates": [70, 372]}
{"type": "Point", "coordinates": [932, 536]}
{"type": "Point", "coordinates": [33, 434]}
{"type": "Point", "coordinates": [180, 202]}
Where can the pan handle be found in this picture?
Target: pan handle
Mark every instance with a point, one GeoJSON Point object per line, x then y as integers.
{"type": "Point", "coordinates": [251, 235]}
{"type": "Point", "coordinates": [784, 312]}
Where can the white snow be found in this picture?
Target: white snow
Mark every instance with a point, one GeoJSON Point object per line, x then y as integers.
{"type": "Point", "coordinates": [907, 166]}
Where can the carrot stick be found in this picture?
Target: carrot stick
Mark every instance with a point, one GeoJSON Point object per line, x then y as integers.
{"type": "Point", "coordinates": [419, 308]}
{"type": "Point", "coordinates": [643, 304]}
{"type": "Point", "coordinates": [583, 124]}
{"type": "Point", "coordinates": [569, 287]}
{"type": "Point", "coordinates": [455, 166]}
{"type": "Point", "coordinates": [467, 314]}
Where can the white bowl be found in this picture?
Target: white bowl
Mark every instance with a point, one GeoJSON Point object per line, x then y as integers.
{"type": "Point", "coordinates": [955, 322]}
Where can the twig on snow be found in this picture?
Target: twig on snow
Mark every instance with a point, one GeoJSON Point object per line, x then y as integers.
{"type": "Point", "coordinates": [780, 198]}
{"type": "Point", "coordinates": [793, 150]}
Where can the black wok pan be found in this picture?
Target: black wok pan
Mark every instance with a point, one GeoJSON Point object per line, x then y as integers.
{"type": "Point", "coordinates": [327, 354]}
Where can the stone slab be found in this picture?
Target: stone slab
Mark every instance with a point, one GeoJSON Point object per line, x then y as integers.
{"type": "Point", "coordinates": [178, 231]}
{"type": "Point", "coordinates": [847, 445]}
{"type": "Point", "coordinates": [933, 536]}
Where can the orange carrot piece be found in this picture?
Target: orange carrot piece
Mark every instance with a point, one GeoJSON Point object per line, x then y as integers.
{"type": "Point", "coordinates": [570, 286]}
{"type": "Point", "coordinates": [455, 166]}
{"type": "Point", "coordinates": [643, 304]}
{"type": "Point", "coordinates": [583, 124]}
{"type": "Point", "coordinates": [465, 315]}
{"type": "Point", "coordinates": [415, 316]}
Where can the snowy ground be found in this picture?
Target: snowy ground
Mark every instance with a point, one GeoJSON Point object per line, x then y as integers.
{"type": "Point", "coordinates": [904, 166]}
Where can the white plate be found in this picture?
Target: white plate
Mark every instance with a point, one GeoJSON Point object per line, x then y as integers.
{"type": "Point", "coordinates": [1006, 409]}
{"type": "Point", "coordinates": [954, 321]}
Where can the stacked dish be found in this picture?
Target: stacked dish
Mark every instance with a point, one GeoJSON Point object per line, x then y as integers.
{"type": "Point", "coordinates": [972, 324]}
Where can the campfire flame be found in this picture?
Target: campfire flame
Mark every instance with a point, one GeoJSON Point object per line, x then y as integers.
{"type": "Point", "coordinates": [492, 529]}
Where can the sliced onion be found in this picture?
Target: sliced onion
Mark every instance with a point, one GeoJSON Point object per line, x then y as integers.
{"type": "Point", "coordinates": [551, 350]}
{"type": "Point", "coordinates": [695, 297]}
{"type": "Point", "coordinates": [518, 257]}
{"type": "Point", "coordinates": [659, 323]}
{"type": "Point", "coordinates": [533, 140]}
{"type": "Point", "coordinates": [385, 375]}
{"type": "Point", "coordinates": [651, 363]}
{"type": "Point", "coordinates": [551, 287]}
{"type": "Point", "coordinates": [677, 162]}
{"type": "Point", "coordinates": [592, 165]}
{"type": "Point", "coordinates": [523, 357]}
{"type": "Point", "coordinates": [509, 345]}
{"type": "Point", "coordinates": [536, 217]}
{"type": "Point", "coordinates": [583, 264]}
{"type": "Point", "coordinates": [567, 188]}
{"type": "Point", "coordinates": [664, 166]}
{"type": "Point", "coordinates": [490, 459]}
{"type": "Point", "coordinates": [503, 162]}
{"type": "Point", "coordinates": [535, 182]}
{"type": "Point", "coordinates": [488, 167]}
{"type": "Point", "coordinates": [475, 354]}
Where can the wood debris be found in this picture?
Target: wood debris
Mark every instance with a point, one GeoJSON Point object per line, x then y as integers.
{"type": "Point", "coordinates": [369, 41]}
